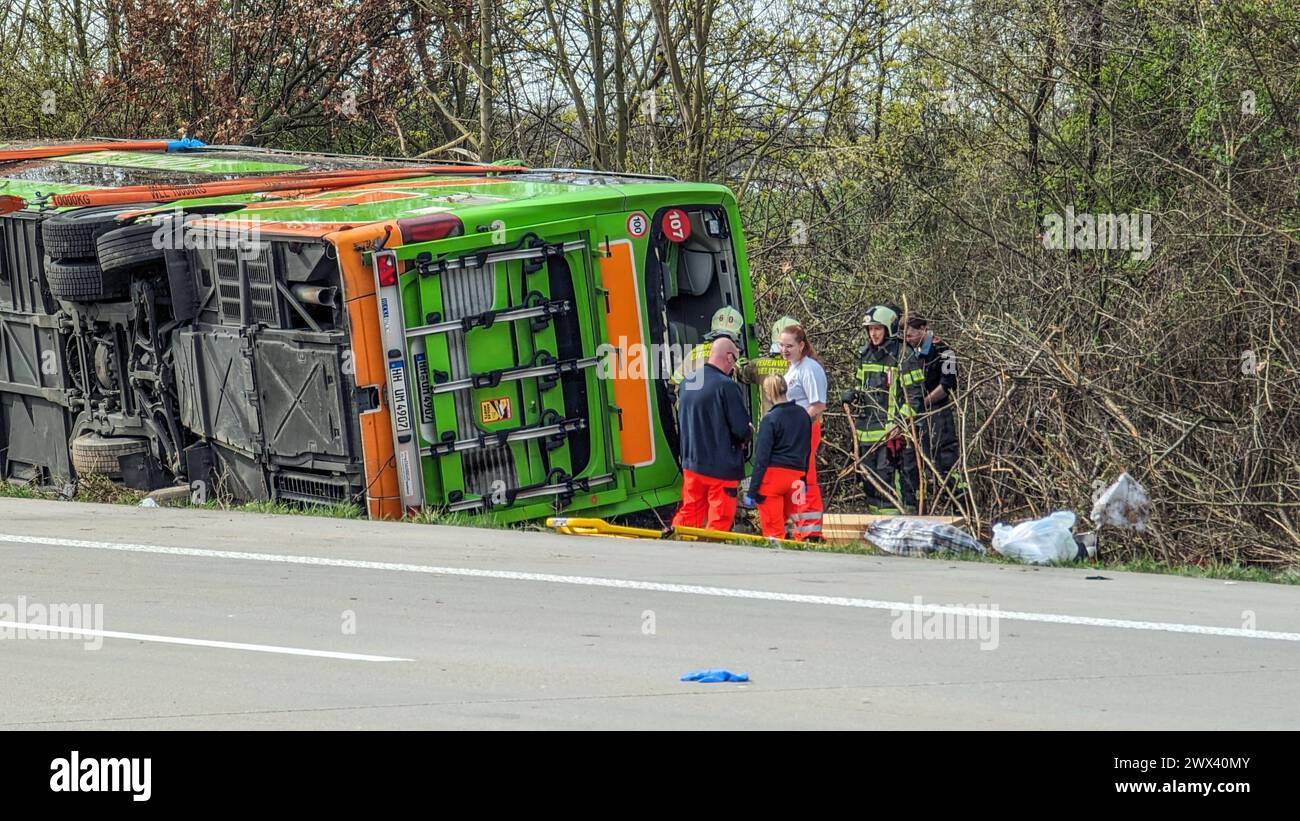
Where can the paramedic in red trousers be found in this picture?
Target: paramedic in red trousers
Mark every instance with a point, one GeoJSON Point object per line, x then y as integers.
{"type": "Point", "coordinates": [714, 428]}
{"type": "Point", "coordinates": [806, 379]}
{"type": "Point", "coordinates": [780, 459]}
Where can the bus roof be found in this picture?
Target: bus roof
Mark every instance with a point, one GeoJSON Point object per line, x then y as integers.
{"type": "Point", "coordinates": [317, 211]}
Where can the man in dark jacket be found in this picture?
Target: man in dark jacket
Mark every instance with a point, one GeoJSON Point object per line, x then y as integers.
{"type": "Point", "coordinates": [714, 427]}
{"type": "Point", "coordinates": [889, 397]}
{"type": "Point", "coordinates": [940, 366]}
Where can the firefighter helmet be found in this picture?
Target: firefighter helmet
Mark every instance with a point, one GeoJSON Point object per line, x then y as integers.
{"type": "Point", "coordinates": [777, 329]}
{"type": "Point", "coordinates": [726, 322]}
{"type": "Point", "coordinates": [881, 315]}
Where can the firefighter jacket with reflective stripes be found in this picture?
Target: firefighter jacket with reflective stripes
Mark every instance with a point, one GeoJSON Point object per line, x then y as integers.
{"type": "Point", "coordinates": [695, 357]}
{"type": "Point", "coordinates": [891, 388]}
{"type": "Point", "coordinates": [699, 354]}
{"type": "Point", "coordinates": [754, 371]}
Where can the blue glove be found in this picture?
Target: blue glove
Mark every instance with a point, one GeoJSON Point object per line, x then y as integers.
{"type": "Point", "coordinates": [714, 676]}
{"type": "Point", "coordinates": [748, 501]}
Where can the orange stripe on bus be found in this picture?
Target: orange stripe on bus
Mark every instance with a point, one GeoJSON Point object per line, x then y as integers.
{"type": "Point", "coordinates": [440, 183]}
{"type": "Point", "coordinates": [296, 229]}
{"type": "Point", "coordinates": [623, 323]}
{"type": "Point", "coordinates": [383, 497]}
{"type": "Point", "coordinates": [296, 182]}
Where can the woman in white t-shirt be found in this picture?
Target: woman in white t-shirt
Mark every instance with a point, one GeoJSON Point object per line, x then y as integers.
{"type": "Point", "coordinates": [806, 381]}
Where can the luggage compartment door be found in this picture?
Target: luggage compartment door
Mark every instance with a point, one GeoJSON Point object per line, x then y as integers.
{"type": "Point", "coordinates": [494, 371]}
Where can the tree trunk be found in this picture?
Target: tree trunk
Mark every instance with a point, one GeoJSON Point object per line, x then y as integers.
{"type": "Point", "coordinates": [485, 80]}
{"type": "Point", "coordinates": [596, 37]}
{"type": "Point", "coordinates": [622, 122]}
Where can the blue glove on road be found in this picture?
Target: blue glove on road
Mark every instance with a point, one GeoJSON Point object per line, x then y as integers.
{"type": "Point", "coordinates": [714, 676]}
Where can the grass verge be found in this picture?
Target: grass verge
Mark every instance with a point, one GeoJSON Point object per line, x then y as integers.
{"type": "Point", "coordinates": [103, 490]}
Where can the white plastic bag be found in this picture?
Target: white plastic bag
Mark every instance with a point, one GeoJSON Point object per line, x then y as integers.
{"type": "Point", "coordinates": [1038, 541]}
{"type": "Point", "coordinates": [1124, 505]}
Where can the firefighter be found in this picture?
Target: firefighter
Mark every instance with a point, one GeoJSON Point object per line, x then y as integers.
{"type": "Point", "coordinates": [754, 371]}
{"type": "Point", "coordinates": [780, 459]}
{"type": "Point", "coordinates": [806, 379]}
{"type": "Point", "coordinates": [715, 428]}
{"type": "Point", "coordinates": [884, 406]}
{"type": "Point", "coordinates": [940, 427]}
{"type": "Point", "coordinates": [727, 321]}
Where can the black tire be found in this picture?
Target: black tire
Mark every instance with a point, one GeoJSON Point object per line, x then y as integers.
{"type": "Point", "coordinates": [73, 234]}
{"type": "Point", "coordinates": [130, 248]}
{"type": "Point", "coordinates": [82, 280]}
{"type": "Point", "coordinates": [100, 455]}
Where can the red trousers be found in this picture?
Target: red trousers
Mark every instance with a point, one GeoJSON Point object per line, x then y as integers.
{"type": "Point", "coordinates": [781, 486]}
{"type": "Point", "coordinates": [808, 510]}
{"type": "Point", "coordinates": [706, 502]}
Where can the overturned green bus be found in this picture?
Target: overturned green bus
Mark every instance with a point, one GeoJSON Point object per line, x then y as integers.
{"type": "Point", "coordinates": [317, 328]}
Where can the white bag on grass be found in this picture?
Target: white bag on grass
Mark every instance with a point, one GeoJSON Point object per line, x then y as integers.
{"type": "Point", "coordinates": [1124, 505]}
{"type": "Point", "coordinates": [1038, 541]}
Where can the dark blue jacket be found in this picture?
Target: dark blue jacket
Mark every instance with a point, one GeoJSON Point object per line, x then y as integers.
{"type": "Point", "coordinates": [784, 440]}
{"type": "Point", "coordinates": [713, 424]}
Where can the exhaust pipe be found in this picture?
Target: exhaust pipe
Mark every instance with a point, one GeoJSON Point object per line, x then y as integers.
{"type": "Point", "coordinates": [315, 294]}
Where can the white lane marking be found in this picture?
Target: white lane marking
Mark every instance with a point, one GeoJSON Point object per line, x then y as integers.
{"type": "Point", "coordinates": [661, 587]}
{"type": "Point", "coordinates": [225, 645]}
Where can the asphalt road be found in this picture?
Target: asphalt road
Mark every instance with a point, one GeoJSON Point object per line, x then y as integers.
{"type": "Point", "coordinates": [213, 620]}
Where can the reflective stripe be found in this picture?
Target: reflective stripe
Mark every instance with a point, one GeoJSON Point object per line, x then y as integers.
{"type": "Point", "coordinates": [865, 368]}
{"type": "Point", "coordinates": [808, 529]}
{"type": "Point", "coordinates": [809, 514]}
{"type": "Point", "coordinates": [688, 364]}
{"type": "Point", "coordinates": [896, 405]}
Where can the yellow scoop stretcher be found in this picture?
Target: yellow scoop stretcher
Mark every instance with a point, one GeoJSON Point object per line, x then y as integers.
{"type": "Point", "coordinates": [599, 527]}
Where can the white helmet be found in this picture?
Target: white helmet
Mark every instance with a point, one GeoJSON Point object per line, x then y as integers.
{"type": "Point", "coordinates": [880, 315]}
{"type": "Point", "coordinates": [777, 329]}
